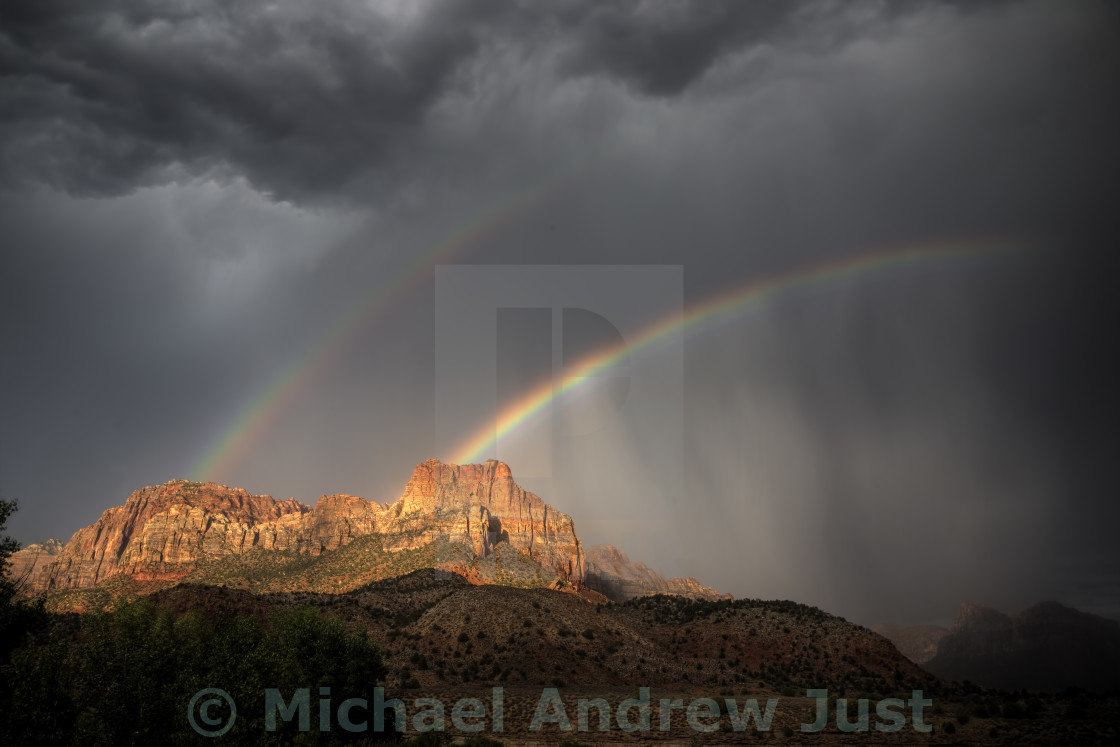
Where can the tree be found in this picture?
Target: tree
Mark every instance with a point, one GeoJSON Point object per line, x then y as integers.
{"type": "Point", "coordinates": [7, 544]}
{"type": "Point", "coordinates": [17, 617]}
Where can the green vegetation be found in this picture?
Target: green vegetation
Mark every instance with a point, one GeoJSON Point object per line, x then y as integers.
{"type": "Point", "coordinates": [510, 566]}
{"type": "Point", "coordinates": [126, 677]}
{"type": "Point", "coordinates": [682, 610]}
{"type": "Point", "coordinates": [355, 564]}
{"type": "Point", "coordinates": [362, 561]}
{"type": "Point", "coordinates": [18, 618]}
{"type": "Point", "coordinates": [103, 596]}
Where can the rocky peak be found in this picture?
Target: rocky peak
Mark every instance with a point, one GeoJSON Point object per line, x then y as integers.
{"type": "Point", "coordinates": [978, 618]}
{"type": "Point", "coordinates": [483, 503]}
{"type": "Point", "coordinates": [438, 486]}
{"type": "Point", "coordinates": [48, 547]}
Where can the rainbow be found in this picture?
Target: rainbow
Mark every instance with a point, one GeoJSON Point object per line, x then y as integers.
{"type": "Point", "coordinates": [253, 419]}
{"type": "Point", "coordinates": [718, 308]}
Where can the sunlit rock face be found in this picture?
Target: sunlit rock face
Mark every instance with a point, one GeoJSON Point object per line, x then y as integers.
{"type": "Point", "coordinates": [163, 532]}
{"type": "Point", "coordinates": [482, 505]}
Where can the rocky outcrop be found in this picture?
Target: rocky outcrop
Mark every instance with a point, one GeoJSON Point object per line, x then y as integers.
{"type": "Point", "coordinates": [918, 643]}
{"type": "Point", "coordinates": [612, 573]}
{"type": "Point", "coordinates": [1047, 647]}
{"type": "Point", "coordinates": [26, 564]}
{"type": "Point", "coordinates": [482, 505]}
{"type": "Point", "coordinates": [163, 532]}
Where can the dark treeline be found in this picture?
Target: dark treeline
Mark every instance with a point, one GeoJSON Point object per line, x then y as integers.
{"type": "Point", "coordinates": [127, 676]}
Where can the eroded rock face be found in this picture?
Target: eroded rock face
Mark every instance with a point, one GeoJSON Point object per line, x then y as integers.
{"type": "Point", "coordinates": [613, 574]}
{"type": "Point", "coordinates": [26, 564]}
{"type": "Point", "coordinates": [483, 505]}
{"type": "Point", "coordinates": [162, 532]}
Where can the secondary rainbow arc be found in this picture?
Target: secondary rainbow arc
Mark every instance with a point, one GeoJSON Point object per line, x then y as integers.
{"type": "Point", "coordinates": [255, 418]}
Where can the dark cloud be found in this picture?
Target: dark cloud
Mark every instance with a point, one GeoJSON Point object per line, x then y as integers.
{"type": "Point", "coordinates": [660, 48]}
{"type": "Point", "coordinates": [101, 98]}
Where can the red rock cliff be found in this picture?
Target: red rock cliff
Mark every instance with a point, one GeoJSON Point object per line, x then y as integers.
{"type": "Point", "coordinates": [164, 531]}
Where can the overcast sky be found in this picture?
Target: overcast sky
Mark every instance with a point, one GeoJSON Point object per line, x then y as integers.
{"type": "Point", "coordinates": [195, 196]}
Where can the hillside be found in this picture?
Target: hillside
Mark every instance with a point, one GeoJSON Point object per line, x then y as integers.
{"type": "Point", "coordinates": [440, 629]}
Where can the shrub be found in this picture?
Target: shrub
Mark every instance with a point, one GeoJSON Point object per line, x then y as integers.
{"type": "Point", "coordinates": [477, 741]}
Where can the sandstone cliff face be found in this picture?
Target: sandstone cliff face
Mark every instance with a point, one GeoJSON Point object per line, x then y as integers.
{"type": "Point", "coordinates": [481, 504]}
{"type": "Point", "coordinates": [163, 532]}
{"type": "Point", "coordinates": [613, 574]}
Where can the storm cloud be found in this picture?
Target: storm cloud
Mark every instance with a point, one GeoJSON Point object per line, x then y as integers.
{"type": "Point", "coordinates": [304, 103]}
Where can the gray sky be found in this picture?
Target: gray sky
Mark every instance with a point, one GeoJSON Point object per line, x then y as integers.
{"type": "Point", "coordinates": [195, 196]}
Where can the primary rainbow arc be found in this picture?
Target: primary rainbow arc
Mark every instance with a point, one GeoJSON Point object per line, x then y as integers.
{"type": "Point", "coordinates": [720, 307]}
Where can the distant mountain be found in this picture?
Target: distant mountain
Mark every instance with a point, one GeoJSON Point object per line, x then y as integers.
{"type": "Point", "coordinates": [470, 519]}
{"type": "Point", "coordinates": [611, 572]}
{"type": "Point", "coordinates": [1047, 647]}
{"type": "Point", "coordinates": [441, 630]}
{"type": "Point", "coordinates": [918, 643]}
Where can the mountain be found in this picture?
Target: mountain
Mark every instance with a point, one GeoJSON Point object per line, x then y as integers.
{"type": "Point", "coordinates": [918, 643]}
{"type": "Point", "coordinates": [611, 572]}
{"type": "Point", "coordinates": [1047, 647]}
{"type": "Point", "coordinates": [470, 519]}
